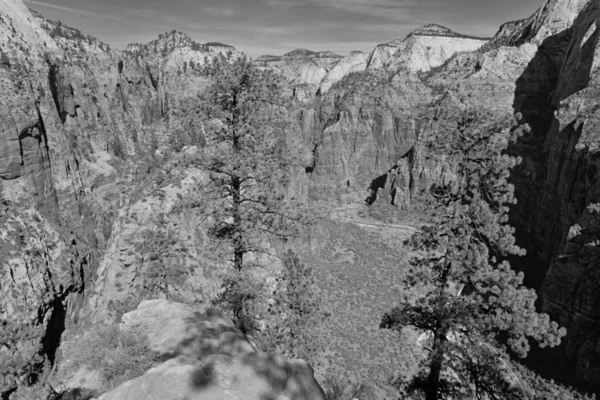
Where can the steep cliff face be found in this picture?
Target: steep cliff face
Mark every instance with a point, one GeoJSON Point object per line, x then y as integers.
{"type": "Point", "coordinates": [425, 48]}
{"type": "Point", "coordinates": [567, 219]}
{"type": "Point", "coordinates": [356, 61]}
{"type": "Point", "coordinates": [74, 114]}
{"type": "Point", "coordinates": [174, 62]}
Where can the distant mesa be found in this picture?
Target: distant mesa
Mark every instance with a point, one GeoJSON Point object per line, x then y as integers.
{"type": "Point", "coordinates": [218, 44]}
{"type": "Point", "coordinates": [175, 39]}
{"type": "Point", "coordinates": [299, 53]}
{"type": "Point", "coordinates": [439, 30]}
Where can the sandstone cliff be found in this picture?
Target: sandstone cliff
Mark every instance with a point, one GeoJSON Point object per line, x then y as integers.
{"type": "Point", "coordinates": [78, 118]}
{"type": "Point", "coordinates": [425, 48]}
{"type": "Point", "coordinates": [303, 69]}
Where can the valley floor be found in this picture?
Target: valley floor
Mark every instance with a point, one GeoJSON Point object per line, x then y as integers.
{"type": "Point", "coordinates": [359, 264]}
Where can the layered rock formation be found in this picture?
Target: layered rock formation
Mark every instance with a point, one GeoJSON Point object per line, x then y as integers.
{"type": "Point", "coordinates": [303, 69]}
{"type": "Point", "coordinates": [174, 62]}
{"type": "Point", "coordinates": [77, 117]}
{"type": "Point", "coordinates": [78, 120]}
{"type": "Point", "coordinates": [423, 49]}
{"type": "Point", "coordinates": [542, 67]}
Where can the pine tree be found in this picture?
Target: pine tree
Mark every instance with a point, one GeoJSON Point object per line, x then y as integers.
{"type": "Point", "coordinates": [245, 116]}
{"type": "Point", "coordinates": [471, 302]}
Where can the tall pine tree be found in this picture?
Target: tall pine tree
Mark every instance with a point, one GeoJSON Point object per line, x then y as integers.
{"type": "Point", "coordinates": [471, 303]}
{"type": "Point", "coordinates": [245, 113]}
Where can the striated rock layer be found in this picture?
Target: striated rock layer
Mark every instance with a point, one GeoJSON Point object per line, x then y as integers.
{"type": "Point", "coordinates": [423, 49]}
{"type": "Point", "coordinates": [78, 119]}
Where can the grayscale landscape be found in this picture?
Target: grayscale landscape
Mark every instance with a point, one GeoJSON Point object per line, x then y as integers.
{"type": "Point", "coordinates": [299, 200]}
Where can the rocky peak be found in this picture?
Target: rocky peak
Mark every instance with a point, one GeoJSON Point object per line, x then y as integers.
{"type": "Point", "coordinates": [70, 39]}
{"type": "Point", "coordinates": [299, 53]}
{"type": "Point", "coordinates": [22, 39]}
{"type": "Point", "coordinates": [553, 17]}
{"type": "Point", "coordinates": [166, 43]}
{"type": "Point", "coordinates": [302, 54]}
{"type": "Point", "coordinates": [424, 48]}
{"type": "Point", "coordinates": [439, 30]}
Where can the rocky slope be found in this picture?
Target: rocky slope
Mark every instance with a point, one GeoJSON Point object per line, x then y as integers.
{"type": "Point", "coordinates": [208, 358]}
{"type": "Point", "coordinates": [174, 61]}
{"type": "Point", "coordinates": [80, 127]}
{"type": "Point", "coordinates": [83, 128]}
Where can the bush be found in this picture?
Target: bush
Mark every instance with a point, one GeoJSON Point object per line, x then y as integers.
{"type": "Point", "coordinates": [340, 389]}
{"type": "Point", "coordinates": [119, 356]}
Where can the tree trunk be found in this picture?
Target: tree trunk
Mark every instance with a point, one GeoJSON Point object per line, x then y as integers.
{"type": "Point", "coordinates": [435, 365]}
{"type": "Point", "coordinates": [439, 338]}
{"type": "Point", "coordinates": [238, 243]}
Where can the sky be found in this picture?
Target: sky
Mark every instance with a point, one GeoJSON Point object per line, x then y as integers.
{"type": "Point", "coordinates": [259, 27]}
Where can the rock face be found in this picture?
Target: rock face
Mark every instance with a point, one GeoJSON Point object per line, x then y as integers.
{"type": "Point", "coordinates": [78, 117]}
{"type": "Point", "coordinates": [213, 360]}
{"type": "Point", "coordinates": [566, 224]}
{"type": "Point", "coordinates": [77, 121]}
{"type": "Point", "coordinates": [542, 67]}
{"type": "Point", "coordinates": [425, 48]}
{"type": "Point", "coordinates": [174, 62]}
{"type": "Point", "coordinates": [304, 69]}
{"type": "Point", "coordinates": [356, 61]}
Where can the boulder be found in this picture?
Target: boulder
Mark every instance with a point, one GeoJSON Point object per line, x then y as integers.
{"type": "Point", "coordinates": [211, 360]}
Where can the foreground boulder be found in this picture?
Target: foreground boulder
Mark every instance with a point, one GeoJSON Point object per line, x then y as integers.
{"type": "Point", "coordinates": [209, 359]}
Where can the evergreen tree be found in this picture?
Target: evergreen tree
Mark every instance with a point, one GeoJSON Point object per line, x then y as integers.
{"type": "Point", "coordinates": [471, 302]}
{"type": "Point", "coordinates": [245, 116]}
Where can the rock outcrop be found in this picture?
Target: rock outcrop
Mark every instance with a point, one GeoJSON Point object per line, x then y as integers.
{"type": "Point", "coordinates": [304, 69]}
{"type": "Point", "coordinates": [78, 119]}
{"type": "Point", "coordinates": [210, 359]}
{"type": "Point", "coordinates": [423, 49]}
{"type": "Point", "coordinates": [356, 61]}
{"type": "Point", "coordinates": [564, 227]}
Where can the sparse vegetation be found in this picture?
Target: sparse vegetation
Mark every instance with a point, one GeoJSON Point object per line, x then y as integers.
{"type": "Point", "coordinates": [341, 389]}
{"type": "Point", "coordinates": [21, 359]}
{"type": "Point", "coordinates": [119, 355]}
{"type": "Point", "coordinates": [293, 312]}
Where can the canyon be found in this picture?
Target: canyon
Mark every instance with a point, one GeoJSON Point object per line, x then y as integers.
{"type": "Point", "coordinates": [84, 126]}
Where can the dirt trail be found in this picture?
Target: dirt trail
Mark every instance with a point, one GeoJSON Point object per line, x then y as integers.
{"type": "Point", "coordinates": [349, 214]}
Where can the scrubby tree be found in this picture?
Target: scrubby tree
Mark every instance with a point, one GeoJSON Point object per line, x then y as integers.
{"type": "Point", "coordinates": [245, 113]}
{"type": "Point", "coordinates": [21, 359]}
{"type": "Point", "coordinates": [162, 254]}
{"type": "Point", "coordinates": [294, 311]}
{"type": "Point", "coordinates": [472, 305]}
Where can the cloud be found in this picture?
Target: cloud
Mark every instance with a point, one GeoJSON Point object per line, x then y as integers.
{"type": "Point", "coordinates": [74, 10]}
{"type": "Point", "coordinates": [97, 15]}
{"type": "Point", "coordinates": [218, 11]}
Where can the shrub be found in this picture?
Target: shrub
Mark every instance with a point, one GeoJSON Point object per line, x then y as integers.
{"type": "Point", "coordinates": [340, 389]}
{"type": "Point", "coordinates": [119, 356]}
